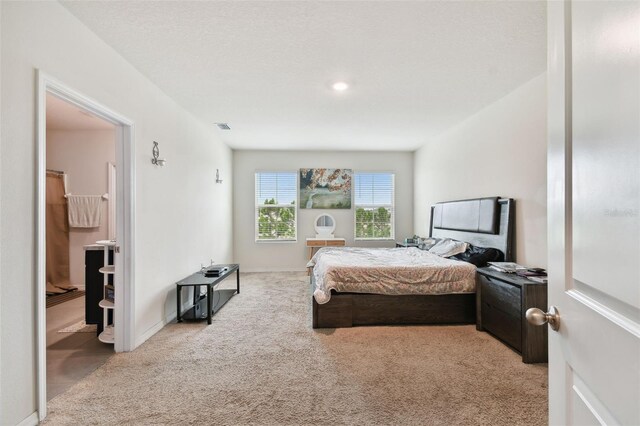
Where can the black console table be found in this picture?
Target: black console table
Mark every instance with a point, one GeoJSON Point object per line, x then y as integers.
{"type": "Point", "coordinates": [203, 305]}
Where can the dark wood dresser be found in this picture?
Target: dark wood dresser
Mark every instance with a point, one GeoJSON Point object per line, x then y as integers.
{"type": "Point", "coordinates": [501, 302]}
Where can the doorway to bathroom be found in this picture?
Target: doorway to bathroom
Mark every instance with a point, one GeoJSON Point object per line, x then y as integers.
{"type": "Point", "coordinates": [80, 162]}
{"type": "Point", "coordinates": [84, 239]}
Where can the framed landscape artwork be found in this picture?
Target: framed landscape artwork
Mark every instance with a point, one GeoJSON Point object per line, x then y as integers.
{"type": "Point", "coordinates": [325, 188]}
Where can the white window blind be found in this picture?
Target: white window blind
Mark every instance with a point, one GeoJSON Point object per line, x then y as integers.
{"type": "Point", "coordinates": [374, 206]}
{"type": "Point", "coordinates": [276, 194]}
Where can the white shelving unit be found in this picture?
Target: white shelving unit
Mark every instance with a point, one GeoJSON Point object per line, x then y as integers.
{"type": "Point", "coordinates": [106, 304]}
{"type": "Point", "coordinates": [111, 269]}
{"type": "Point", "coordinates": [107, 335]}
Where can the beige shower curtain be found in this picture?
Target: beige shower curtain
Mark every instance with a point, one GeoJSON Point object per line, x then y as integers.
{"type": "Point", "coordinates": [57, 236]}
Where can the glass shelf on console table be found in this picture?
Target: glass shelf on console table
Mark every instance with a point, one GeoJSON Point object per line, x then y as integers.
{"type": "Point", "coordinates": [203, 306]}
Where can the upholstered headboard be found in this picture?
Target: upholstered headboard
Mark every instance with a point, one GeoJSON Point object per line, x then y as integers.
{"type": "Point", "coordinates": [484, 222]}
{"type": "Point", "coordinates": [476, 215]}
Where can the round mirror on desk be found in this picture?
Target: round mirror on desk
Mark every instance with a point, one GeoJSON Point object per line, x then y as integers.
{"type": "Point", "coordinates": [325, 225]}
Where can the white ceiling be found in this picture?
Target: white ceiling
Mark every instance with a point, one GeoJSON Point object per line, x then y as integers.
{"type": "Point", "coordinates": [62, 115]}
{"type": "Point", "coordinates": [415, 68]}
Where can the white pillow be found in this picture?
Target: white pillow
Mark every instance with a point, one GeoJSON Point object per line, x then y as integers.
{"type": "Point", "coordinates": [427, 243]}
{"type": "Point", "coordinates": [448, 247]}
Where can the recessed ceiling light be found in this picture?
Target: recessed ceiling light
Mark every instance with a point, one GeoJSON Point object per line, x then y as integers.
{"type": "Point", "coordinates": [223, 126]}
{"type": "Point", "coordinates": [340, 86]}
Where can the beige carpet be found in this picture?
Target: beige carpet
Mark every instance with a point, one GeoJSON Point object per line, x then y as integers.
{"type": "Point", "coordinates": [261, 363]}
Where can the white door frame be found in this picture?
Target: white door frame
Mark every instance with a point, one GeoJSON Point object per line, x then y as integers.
{"type": "Point", "coordinates": [111, 189]}
{"type": "Point", "coordinates": [125, 203]}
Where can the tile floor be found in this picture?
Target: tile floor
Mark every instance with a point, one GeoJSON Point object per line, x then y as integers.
{"type": "Point", "coordinates": [70, 356]}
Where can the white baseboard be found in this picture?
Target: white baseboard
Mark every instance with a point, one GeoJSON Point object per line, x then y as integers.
{"type": "Point", "coordinates": [150, 332]}
{"type": "Point", "coordinates": [32, 420]}
{"type": "Point", "coordinates": [155, 328]}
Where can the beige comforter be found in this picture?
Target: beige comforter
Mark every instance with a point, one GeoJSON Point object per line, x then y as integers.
{"type": "Point", "coordinates": [388, 271]}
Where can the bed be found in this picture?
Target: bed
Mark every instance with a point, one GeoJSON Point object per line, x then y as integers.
{"type": "Point", "coordinates": [441, 291]}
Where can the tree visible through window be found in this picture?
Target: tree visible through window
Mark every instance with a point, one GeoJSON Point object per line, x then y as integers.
{"type": "Point", "coordinates": [374, 202]}
{"type": "Point", "coordinates": [276, 206]}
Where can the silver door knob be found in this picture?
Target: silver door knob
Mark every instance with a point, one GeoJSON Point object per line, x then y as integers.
{"type": "Point", "coordinates": [537, 316]}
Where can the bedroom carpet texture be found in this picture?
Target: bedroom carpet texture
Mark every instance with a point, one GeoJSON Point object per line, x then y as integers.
{"type": "Point", "coordinates": [261, 363]}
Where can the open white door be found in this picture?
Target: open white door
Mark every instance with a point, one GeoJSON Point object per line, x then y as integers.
{"type": "Point", "coordinates": [594, 211]}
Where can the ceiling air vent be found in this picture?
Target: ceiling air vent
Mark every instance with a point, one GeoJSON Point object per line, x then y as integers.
{"type": "Point", "coordinates": [223, 126]}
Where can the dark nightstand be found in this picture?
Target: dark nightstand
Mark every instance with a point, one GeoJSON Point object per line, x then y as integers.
{"type": "Point", "coordinates": [405, 245]}
{"type": "Point", "coordinates": [501, 302]}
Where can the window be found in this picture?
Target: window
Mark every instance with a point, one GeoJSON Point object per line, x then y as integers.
{"type": "Point", "coordinates": [374, 194]}
{"type": "Point", "coordinates": [276, 206]}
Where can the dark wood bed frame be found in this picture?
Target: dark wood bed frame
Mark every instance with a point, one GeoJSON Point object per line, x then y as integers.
{"type": "Point", "coordinates": [354, 309]}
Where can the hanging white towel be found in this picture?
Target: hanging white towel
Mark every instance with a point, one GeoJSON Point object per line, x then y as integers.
{"type": "Point", "coordinates": [85, 211]}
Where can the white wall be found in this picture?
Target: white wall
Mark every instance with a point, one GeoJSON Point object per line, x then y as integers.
{"type": "Point", "coordinates": [501, 150]}
{"type": "Point", "coordinates": [288, 256]}
{"type": "Point", "coordinates": [84, 156]}
{"type": "Point", "coordinates": [182, 217]}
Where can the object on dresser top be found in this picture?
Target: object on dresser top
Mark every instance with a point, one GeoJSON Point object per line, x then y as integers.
{"type": "Point", "coordinates": [508, 267]}
{"type": "Point", "coordinates": [532, 272]}
{"type": "Point", "coordinates": [480, 256]}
